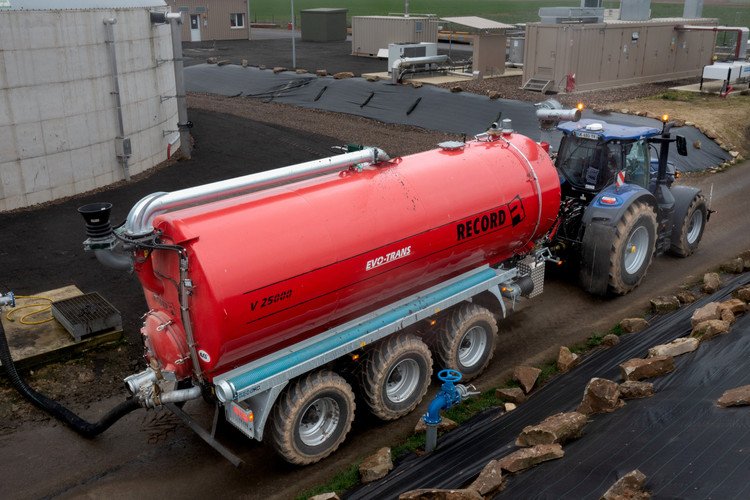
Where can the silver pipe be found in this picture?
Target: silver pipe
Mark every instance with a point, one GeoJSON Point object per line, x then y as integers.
{"type": "Point", "coordinates": [119, 261]}
{"type": "Point", "coordinates": [109, 38]}
{"type": "Point", "coordinates": [179, 396]}
{"type": "Point", "coordinates": [413, 61]}
{"type": "Point", "coordinates": [175, 24]}
{"type": "Point", "coordinates": [141, 216]}
{"type": "Point", "coordinates": [431, 438]}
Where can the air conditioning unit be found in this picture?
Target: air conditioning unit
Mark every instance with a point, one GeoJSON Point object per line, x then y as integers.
{"type": "Point", "coordinates": [400, 50]}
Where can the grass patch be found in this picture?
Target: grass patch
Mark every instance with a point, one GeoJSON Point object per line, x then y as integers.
{"type": "Point", "coordinates": [676, 95]}
{"type": "Point", "coordinates": [549, 369]}
{"type": "Point", "coordinates": [412, 444]}
{"type": "Point", "coordinates": [344, 480]}
{"type": "Point", "coordinates": [467, 409]}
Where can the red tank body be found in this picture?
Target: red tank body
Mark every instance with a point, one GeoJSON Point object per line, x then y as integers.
{"type": "Point", "coordinates": [275, 267]}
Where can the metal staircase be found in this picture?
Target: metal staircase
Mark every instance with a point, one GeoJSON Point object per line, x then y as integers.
{"type": "Point", "coordinates": [537, 85]}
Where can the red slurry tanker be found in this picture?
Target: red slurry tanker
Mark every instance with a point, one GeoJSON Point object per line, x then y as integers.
{"type": "Point", "coordinates": [272, 294]}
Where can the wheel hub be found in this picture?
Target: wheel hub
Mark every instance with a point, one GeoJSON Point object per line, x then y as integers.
{"type": "Point", "coordinates": [636, 250]}
{"type": "Point", "coordinates": [318, 421]}
{"type": "Point", "coordinates": [402, 380]}
{"type": "Point", "coordinates": [472, 347]}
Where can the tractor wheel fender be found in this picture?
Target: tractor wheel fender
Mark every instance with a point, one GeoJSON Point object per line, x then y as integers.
{"type": "Point", "coordinates": [683, 197]}
{"type": "Point", "coordinates": [611, 215]}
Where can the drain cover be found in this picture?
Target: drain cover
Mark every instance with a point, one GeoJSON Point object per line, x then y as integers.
{"type": "Point", "coordinates": [86, 315]}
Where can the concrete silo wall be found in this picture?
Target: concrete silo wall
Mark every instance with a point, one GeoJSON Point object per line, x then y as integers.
{"type": "Point", "coordinates": [58, 116]}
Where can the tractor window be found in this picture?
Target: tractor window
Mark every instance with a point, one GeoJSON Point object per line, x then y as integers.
{"type": "Point", "coordinates": [582, 163]}
{"type": "Point", "coordinates": [637, 163]}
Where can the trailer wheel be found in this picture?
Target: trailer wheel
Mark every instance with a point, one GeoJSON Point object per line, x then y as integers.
{"type": "Point", "coordinates": [312, 417]}
{"type": "Point", "coordinates": [396, 375]}
{"type": "Point", "coordinates": [632, 248]}
{"type": "Point", "coordinates": [686, 241]}
{"type": "Point", "coordinates": [466, 341]}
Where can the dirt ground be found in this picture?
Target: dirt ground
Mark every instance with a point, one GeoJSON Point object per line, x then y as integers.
{"type": "Point", "coordinates": [152, 454]}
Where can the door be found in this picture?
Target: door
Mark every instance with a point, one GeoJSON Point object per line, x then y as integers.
{"type": "Point", "coordinates": [195, 27]}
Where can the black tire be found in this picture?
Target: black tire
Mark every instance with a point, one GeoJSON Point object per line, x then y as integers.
{"type": "Point", "coordinates": [395, 376]}
{"type": "Point", "coordinates": [629, 259]}
{"type": "Point", "coordinates": [688, 236]}
{"type": "Point", "coordinates": [466, 341]}
{"type": "Point", "coordinates": [312, 417]}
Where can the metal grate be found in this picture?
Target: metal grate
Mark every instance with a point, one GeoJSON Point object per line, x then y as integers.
{"type": "Point", "coordinates": [530, 267]}
{"type": "Point", "coordinates": [86, 315]}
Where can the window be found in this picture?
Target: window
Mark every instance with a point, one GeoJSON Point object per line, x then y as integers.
{"type": "Point", "coordinates": [237, 20]}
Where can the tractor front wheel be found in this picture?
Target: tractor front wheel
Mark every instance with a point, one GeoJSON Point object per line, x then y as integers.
{"type": "Point", "coordinates": [632, 248]}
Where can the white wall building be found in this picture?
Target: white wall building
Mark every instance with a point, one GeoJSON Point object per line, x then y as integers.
{"type": "Point", "coordinates": [58, 114]}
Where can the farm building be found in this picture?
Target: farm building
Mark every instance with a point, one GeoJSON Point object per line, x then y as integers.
{"type": "Point", "coordinates": [204, 20]}
{"type": "Point", "coordinates": [64, 129]}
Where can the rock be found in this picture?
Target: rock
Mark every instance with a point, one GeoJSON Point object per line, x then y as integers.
{"type": "Point", "coordinates": [675, 348]}
{"type": "Point", "coordinates": [331, 495]}
{"type": "Point", "coordinates": [634, 389]}
{"type": "Point", "coordinates": [526, 376]}
{"type": "Point", "coordinates": [212, 60]}
{"type": "Point", "coordinates": [737, 306]}
{"type": "Point", "coordinates": [455, 89]}
{"type": "Point", "coordinates": [710, 329]}
{"type": "Point", "coordinates": [566, 359]}
{"type": "Point", "coordinates": [494, 94]}
{"type": "Point", "coordinates": [300, 71]}
{"type": "Point", "coordinates": [372, 78]}
{"type": "Point", "coordinates": [529, 457]}
{"type": "Point", "coordinates": [686, 297]}
{"type": "Point", "coordinates": [434, 494]}
{"type": "Point", "coordinates": [734, 154]}
{"type": "Point", "coordinates": [223, 62]}
{"type": "Point", "coordinates": [376, 466]}
{"type": "Point", "coordinates": [665, 304]}
{"type": "Point", "coordinates": [629, 486]}
{"type": "Point", "coordinates": [610, 340]}
{"type": "Point", "coordinates": [509, 406]}
{"type": "Point", "coordinates": [342, 75]}
{"type": "Point", "coordinates": [511, 394]}
{"type": "Point", "coordinates": [321, 72]}
{"type": "Point", "coordinates": [625, 111]}
{"type": "Point", "coordinates": [490, 480]}
{"type": "Point", "coordinates": [558, 428]}
{"type": "Point", "coordinates": [710, 133]}
{"type": "Point", "coordinates": [728, 316]}
{"type": "Point", "coordinates": [742, 294]}
{"type": "Point", "coordinates": [244, 65]}
{"type": "Point", "coordinates": [711, 283]}
{"type": "Point", "coordinates": [638, 369]}
{"type": "Point", "coordinates": [445, 425]}
{"type": "Point", "coordinates": [735, 266]}
{"type": "Point", "coordinates": [633, 325]}
{"type": "Point", "coordinates": [278, 69]}
{"type": "Point", "coordinates": [417, 85]}
{"type": "Point", "coordinates": [739, 396]}
{"type": "Point", "coordinates": [262, 66]}
{"type": "Point", "coordinates": [712, 310]}
{"type": "Point", "coordinates": [86, 376]}
{"type": "Point", "coordinates": [600, 396]}
{"type": "Point", "coordinates": [745, 256]}
{"type": "Point", "coordinates": [697, 144]}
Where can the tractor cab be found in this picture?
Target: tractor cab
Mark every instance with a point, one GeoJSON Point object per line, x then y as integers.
{"type": "Point", "coordinates": [593, 152]}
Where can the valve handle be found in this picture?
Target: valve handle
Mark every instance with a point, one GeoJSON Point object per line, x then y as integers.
{"type": "Point", "coordinates": [449, 375]}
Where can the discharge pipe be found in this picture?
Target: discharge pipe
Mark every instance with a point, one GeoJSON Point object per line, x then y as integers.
{"type": "Point", "coordinates": [52, 407]}
{"type": "Point", "coordinates": [450, 394]}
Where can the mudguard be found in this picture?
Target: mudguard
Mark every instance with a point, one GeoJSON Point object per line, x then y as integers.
{"type": "Point", "coordinates": [683, 196]}
{"type": "Point", "coordinates": [600, 222]}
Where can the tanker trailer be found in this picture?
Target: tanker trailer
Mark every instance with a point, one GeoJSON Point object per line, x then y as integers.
{"type": "Point", "coordinates": [276, 292]}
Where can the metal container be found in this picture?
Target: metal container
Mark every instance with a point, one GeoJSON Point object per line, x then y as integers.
{"type": "Point", "coordinates": [515, 53]}
{"type": "Point", "coordinates": [323, 25]}
{"type": "Point", "coordinates": [275, 267]}
{"type": "Point", "coordinates": [372, 33]}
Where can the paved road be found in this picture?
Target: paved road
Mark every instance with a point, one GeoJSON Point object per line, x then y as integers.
{"type": "Point", "coordinates": [152, 455]}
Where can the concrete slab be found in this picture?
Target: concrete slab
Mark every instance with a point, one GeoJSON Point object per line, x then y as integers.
{"type": "Point", "coordinates": [443, 77]}
{"type": "Point", "coordinates": [32, 345]}
{"type": "Point", "coordinates": [710, 87]}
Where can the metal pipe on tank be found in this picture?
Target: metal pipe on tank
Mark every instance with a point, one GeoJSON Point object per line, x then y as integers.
{"type": "Point", "coordinates": [109, 33]}
{"type": "Point", "coordinates": [141, 216]}
{"type": "Point", "coordinates": [175, 24]}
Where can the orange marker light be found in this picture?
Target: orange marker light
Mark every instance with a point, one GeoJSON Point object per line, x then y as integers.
{"type": "Point", "coordinates": [579, 106]}
{"type": "Point", "coordinates": [665, 118]}
{"type": "Point", "coordinates": [355, 357]}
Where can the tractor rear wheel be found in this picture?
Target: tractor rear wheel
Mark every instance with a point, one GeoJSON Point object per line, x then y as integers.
{"type": "Point", "coordinates": [312, 417]}
{"type": "Point", "coordinates": [396, 375]}
{"type": "Point", "coordinates": [466, 342]}
{"type": "Point", "coordinates": [632, 248]}
{"type": "Point", "coordinates": [689, 234]}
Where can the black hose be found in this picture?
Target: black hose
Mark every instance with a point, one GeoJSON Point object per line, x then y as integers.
{"type": "Point", "coordinates": [81, 426]}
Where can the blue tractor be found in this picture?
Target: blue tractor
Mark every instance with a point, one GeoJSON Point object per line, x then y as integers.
{"type": "Point", "coordinates": [620, 207]}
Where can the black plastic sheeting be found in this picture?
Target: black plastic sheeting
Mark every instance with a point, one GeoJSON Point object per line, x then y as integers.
{"type": "Point", "coordinates": [685, 445]}
{"type": "Point", "coordinates": [428, 107]}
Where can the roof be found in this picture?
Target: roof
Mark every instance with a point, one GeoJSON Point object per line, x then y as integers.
{"type": "Point", "coordinates": [609, 131]}
{"type": "Point", "coordinates": [324, 10]}
{"type": "Point", "coordinates": [478, 23]}
{"type": "Point", "coordinates": [77, 4]}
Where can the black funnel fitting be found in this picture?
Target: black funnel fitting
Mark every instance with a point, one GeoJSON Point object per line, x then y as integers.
{"type": "Point", "coordinates": [96, 216]}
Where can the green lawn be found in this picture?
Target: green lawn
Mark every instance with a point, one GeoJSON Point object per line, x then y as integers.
{"type": "Point", "coordinates": [507, 11]}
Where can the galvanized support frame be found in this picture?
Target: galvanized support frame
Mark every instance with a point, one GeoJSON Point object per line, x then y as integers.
{"type": "Point", "coordinates": [261, 394]}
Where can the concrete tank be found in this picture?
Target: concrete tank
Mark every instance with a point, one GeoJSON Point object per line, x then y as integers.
{"type": "Point", "coordinates": [58, 113]}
